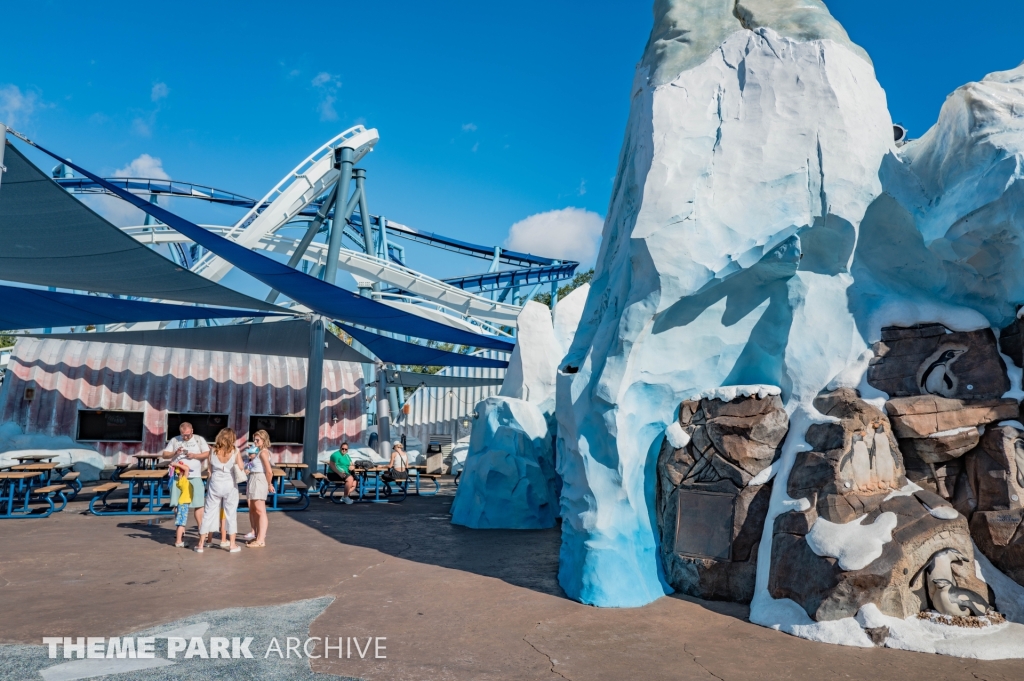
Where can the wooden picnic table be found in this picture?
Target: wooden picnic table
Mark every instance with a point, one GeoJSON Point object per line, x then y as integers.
{"type": "Point", "coordinates": [35, 457]}
{"type": "Point", "coordinates": [44, 469]}
{"type": "Point", "coordinates": [16, 488]}
{"type": "Point", "coordinates": [17, 475]}
{"type": "Point", "coordinates": [293, 470]}
{"type": "Point", "coordinates": [147, 460]}
{"type": "Point", "coordinates": [145, 494]}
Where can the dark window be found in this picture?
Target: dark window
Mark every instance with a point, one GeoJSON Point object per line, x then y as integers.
{"type": "Point", "coordinates": [204, 425]}
{"type": "Point", "coordinates": [110, 426]}
{"type": "Point", "coordinates": [283, 430]}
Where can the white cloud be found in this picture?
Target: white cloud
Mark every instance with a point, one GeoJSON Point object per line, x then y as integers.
{"type": "Point", "coordinates": [328, 85]}
{"type": "Point", "coordinates": [326, 108]}
{"type": "Point", "coordinates": [17, 107]}
{"type": "Point", "coordinates": [120, 212]}
{"type": "Point", "coordinates": [142, 127]}
{"type": "Point", "coordinates": [160, 91]}
{"type": "Point", "coordinates": [566, 234]}
{"type": "Point", "coordinates": [469, 127]}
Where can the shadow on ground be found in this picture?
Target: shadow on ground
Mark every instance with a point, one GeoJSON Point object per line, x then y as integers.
{"type": "Point", "coordinates": [419, 529]}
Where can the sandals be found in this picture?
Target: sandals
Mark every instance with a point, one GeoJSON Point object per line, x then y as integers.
{"type": "Point", "coordinates": [225, 544]}
{"type": "Point", "coordinates": [256, 545]}
{"type": "Point", "coordinates": [179, 545]}
{"type": "Point", "coordinates": [198, 549]}
{"type": "Point", "coordinates": [237, 549]}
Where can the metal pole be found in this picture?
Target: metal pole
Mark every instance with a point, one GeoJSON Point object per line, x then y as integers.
{"type": "Point", "coordinates": [3, 145]}
{"type": "Point", "coordinates": [383, 413]}
{"type": "Point", "coordinates": [338, 228]}
{"type": "Point", "coordinates": [314, 387]}
{"type": "Point", "coordinates": [368, 245]}
{"type": "Point", "coordinates": [554, 290]}
{"type": "Point", "coordinates": [310, 234]}
{"type": "Point", "coordinates": [383, 223]}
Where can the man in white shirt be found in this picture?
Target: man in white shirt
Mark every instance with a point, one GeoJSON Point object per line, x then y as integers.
{"type": "Point", "coordinates": [190, 449]}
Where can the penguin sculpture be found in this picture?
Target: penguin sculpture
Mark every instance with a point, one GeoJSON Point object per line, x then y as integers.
{"type": "Point", "coordinates": [947, 598]}
{"type": "Point", "coordinates": [952, 600]}
{"type": "Point", "coordinates": [937, 378]}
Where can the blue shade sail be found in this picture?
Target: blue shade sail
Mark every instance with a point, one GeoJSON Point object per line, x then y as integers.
{"type": "Point", "coordinates": [320, 296]}
{"type": "Point", "coordinates": [400, 352]}
{"type": "Point", "coordinates": [26, 308]}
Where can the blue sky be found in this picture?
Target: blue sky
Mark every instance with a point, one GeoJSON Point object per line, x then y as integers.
{"type": "Point", "coordinates": [488, 112]}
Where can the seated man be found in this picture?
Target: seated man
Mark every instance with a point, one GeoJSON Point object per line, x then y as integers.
{"type": "Point", "coordinates": [339, 469]}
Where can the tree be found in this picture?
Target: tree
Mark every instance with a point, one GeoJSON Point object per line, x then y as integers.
{"type": "Point", "coordinates": [579, 280]}
{"type": "Point", "coordinates": [6, 340]}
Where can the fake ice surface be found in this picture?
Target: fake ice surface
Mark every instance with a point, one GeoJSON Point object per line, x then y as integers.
{"type": "Point", "coordinates": [853, 544]}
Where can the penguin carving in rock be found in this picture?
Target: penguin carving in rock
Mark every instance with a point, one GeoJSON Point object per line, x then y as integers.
{"type": "Point", "coordinates": [947, 598]}
{"type": "Point", "coordinates": [954, 601]}
{"type": "Point", "coordinates": [937, 377]}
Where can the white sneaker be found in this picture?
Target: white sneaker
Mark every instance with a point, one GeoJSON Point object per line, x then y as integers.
{"type": "Point", "coordinates": [249, 537]}
{"type": "Point", "coordinates": [347, 500]}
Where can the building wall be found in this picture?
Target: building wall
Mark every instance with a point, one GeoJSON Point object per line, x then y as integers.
{"type": "Point", "coordinates": [71, 375]}
{"type": "Point", "coordinates": [442, 410]}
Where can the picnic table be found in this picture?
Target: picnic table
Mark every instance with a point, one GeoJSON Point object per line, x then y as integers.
{"type": "Point", "coordinates": [43, 470]}
{"type": "Point", "coordinates": [35, 458]}
{"type": "Point", "coordinates": [147, 495]}
{"type": "Point", "coordinates": [147, 461]}
{"type": "Point", "coordinates": [420, 471]}
{"type": "Point", "coordinates": [286, 494]}
{"type": "Point", "coordinates": [293, 470]}
{"type": "Point", "coordinates": [17, 492]}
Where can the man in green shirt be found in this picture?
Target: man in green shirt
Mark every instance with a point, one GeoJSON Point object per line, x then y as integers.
{"type": "Point", "coordinates": [339, 469]}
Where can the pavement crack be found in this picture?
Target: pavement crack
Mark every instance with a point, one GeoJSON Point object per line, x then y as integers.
{"type": "Point", "coordinates": [408, 545]}
{"type": "Point", "coordinates": [700, 665]}
{"type": "Point", "coordinates": [550, 661]}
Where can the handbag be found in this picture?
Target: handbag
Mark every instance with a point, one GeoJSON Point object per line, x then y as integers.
{"type": "Point", "coordinates": [237, 475]}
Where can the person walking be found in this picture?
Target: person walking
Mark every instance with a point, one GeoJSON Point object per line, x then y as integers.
{"type": "Point", "coordinates": [222, 491]}
{"type": "Point", "coordinates": [258, 488]}
{"type": "Point", "coordinates": [179, 450]}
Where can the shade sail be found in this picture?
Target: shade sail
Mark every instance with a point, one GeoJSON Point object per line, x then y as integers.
{"type": "Point", "coordinates": [411, 379]}
{"type": "Point", "coordinates": [325, 298]}
{"type": "Point", "coordinates": [49, 238]}
{"type": "Point", "coordinates": [26, 308]}
{"type": "Point", "coordinates": [288, 338]}
{"type": "Point", "coordinates": [400, 352]}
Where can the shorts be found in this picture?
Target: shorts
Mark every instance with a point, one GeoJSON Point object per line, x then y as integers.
{"type": "Point", "coordinates": [198, 493]}
{"type": "Point", "coordinates": [334, 477]}
{"type": "Point", "coordinates": [256, 487]}
{"type": "Point", "coordinates": [181, 515]}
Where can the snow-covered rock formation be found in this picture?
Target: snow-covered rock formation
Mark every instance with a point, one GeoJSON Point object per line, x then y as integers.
{"type": "Point", "coordinates": [509, 478]}
{"type": "Point", "coordinates": [763, 230]}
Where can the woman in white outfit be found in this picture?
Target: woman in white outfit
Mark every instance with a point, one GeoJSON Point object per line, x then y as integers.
{"type": "Point", "coordinates": [222, 490]}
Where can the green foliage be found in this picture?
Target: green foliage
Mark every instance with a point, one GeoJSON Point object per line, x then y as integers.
{"type": "Point", "coordinates": [579, 280]}
{"type": "Point", "coordinates": [6, 340]}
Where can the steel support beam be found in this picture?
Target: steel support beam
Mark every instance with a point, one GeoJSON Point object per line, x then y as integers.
{"type": "Point", "coordinates": [310, 234]}
{"type": "Point", "coordinates": [314, 387]}
{"type": "Point", "coordinates": [383, 413]}
{"type": "Point", "coordinates": [338, 228]}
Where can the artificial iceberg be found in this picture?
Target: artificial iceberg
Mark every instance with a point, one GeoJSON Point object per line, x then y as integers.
{"type": "Point", "coordinates": [509, 479]}
{"type": "Point", "coordinates": [765, 230]}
